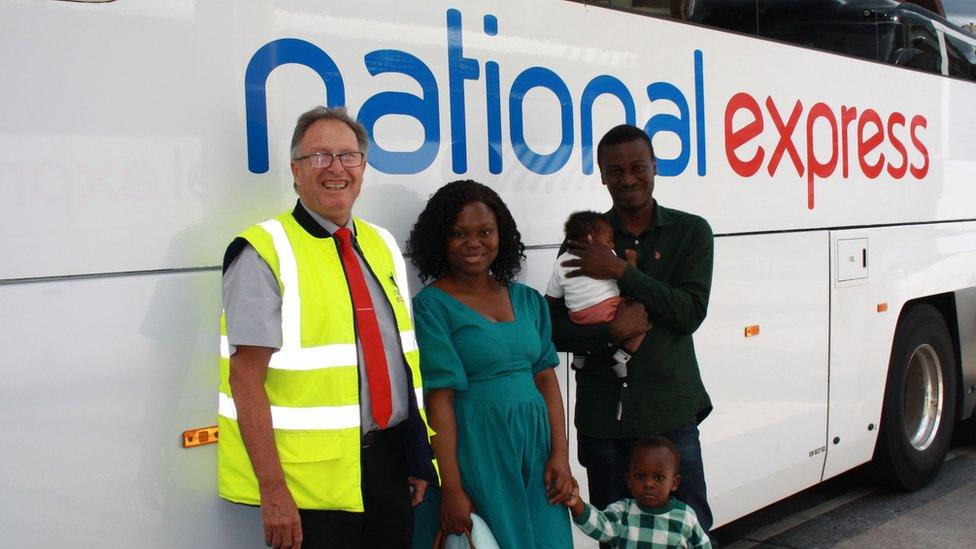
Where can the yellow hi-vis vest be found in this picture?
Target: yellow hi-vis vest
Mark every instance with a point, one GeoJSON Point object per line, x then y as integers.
{"type": "Point", "coordinates": [313, 381]}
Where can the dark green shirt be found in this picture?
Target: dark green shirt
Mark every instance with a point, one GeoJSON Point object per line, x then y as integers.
{"type": "Point", "coordinates": [672, 280]}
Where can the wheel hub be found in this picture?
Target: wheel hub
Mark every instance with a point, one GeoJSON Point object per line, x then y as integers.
{"type": "Point", "coordinates": [923, 397]}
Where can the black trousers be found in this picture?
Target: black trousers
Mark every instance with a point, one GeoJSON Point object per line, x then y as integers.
{"type": "Point", "coordinates": [388, 519]}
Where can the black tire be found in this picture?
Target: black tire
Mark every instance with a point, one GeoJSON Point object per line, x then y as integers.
{"type": "Point", "coordinates": [916, 426]}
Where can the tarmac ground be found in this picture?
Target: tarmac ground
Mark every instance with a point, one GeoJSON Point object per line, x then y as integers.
{"type": "Point", "coordinates": [846, 511]}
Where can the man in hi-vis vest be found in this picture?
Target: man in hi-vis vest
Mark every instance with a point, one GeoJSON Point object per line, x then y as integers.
{"type": "Point", "coordinates": [320, 412]}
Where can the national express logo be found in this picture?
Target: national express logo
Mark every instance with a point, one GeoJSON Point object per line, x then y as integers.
{"type": "Point", "coordinates": [764, 118]}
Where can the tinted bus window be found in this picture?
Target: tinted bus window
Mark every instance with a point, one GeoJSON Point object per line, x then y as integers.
{"type": "Point", "coordinates": [888, 31]}
{"type": "Point", "coordinates": [920, 48]}
{"type": "Point", "coordinates": [962, 58]}
{"type": "Point", "coordinates": [866, 34]}
{"type": "Point", "coordinates": [677, 9]}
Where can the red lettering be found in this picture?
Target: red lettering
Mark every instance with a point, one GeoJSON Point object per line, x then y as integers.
{"type": "Point", "coordinates": [918, 121]}
{"type": "Point", "coordinates": [814, 166]}
{"type": "Point", "coordinates": [865, 146]}
{"type": "Point", "coordinates": [847, 115]}
{"type": "Point", "coordinates": [785, 136]}
{"type": "Point", "coordinates": [897, 119]}
{"type": "Point", "coordinates": [744, 132]}
{"type": "Point", "coordinates": [738, 138]}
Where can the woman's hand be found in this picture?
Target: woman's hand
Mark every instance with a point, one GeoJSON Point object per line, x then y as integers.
{"type": "Point", "coordinates": [558, 478]}
{"type": "Point", "coordinates": [456, 509]}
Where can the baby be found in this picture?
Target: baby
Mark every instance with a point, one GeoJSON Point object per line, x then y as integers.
{"type": "Point", "coordinates": [589, 300]}
{"type": "Point", "coordinates": [652, 518]}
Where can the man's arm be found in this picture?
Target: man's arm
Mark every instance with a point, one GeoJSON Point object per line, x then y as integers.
{"type": "Point", "coordinates": [570, 337]}
{"type": "Point", "coordinates": [248, 369]}
{"type": "Point", "coordinates": [679, 305]}
{"type": "Point", "coordinates": [682, 304]}
{"type": "Point", "coordinates": [631, 320]}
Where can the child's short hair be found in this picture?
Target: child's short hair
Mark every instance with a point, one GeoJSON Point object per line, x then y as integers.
{"type": "Point", "coordinates": [649, 443]}
{"type": "Point", "coordinates": [580, 224]}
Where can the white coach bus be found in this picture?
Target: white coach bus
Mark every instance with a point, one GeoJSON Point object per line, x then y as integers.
{"type": "Point", "coordinates": [138, 136]}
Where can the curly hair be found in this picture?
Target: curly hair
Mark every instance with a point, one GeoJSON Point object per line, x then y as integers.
{"type": "Point", "coordinates": [581, 224]}
{"type": "Point", "coordinates": [427, 244]}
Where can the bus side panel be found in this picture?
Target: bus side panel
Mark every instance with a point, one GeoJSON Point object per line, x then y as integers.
{"type": "Point", "coordinates": [101, 377]}
{"type": "Point", "coordinates": [966, 317]}
{"type": "Point", "coordinates": [763, 440]}
{"type": "Point", "coordinates": [904, 263]}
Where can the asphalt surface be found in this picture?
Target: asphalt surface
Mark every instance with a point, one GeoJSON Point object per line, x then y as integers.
{"type": "Point", "coordinates": [847, 511]}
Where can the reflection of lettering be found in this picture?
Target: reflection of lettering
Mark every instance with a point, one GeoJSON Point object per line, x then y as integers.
{"type": "Point", "coordinates": [872, 133]}
{"type": "Point", "coordinates": [70, 184]}
{"type": "Point", "coordinates": [425, 108]}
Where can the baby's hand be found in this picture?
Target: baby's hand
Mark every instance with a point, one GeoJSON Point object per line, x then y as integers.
{"type": "Point", "coordinates": [575, 497]}
{"type": "Point", "coordinates": [631, 257]}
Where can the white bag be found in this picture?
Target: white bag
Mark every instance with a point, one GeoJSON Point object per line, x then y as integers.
{"type": "Point", "coordinates": [479, 537]}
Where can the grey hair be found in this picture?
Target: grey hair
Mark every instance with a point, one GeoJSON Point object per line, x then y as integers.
{"type": "Point", "coordinates": [312, 116]}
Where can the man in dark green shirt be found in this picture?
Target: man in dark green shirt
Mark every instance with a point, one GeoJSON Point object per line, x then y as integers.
{"type": "Point", "coordinates": [663, 392]}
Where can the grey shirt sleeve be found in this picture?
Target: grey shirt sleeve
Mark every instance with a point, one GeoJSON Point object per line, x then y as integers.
{"type": "Point", "coordinates": [252, 302]}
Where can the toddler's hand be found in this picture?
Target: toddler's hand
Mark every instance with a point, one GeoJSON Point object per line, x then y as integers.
{"type": "Point", "coordinates": [575, 497]}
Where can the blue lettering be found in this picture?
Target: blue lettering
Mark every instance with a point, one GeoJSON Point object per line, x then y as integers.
{"type": "Point", "coordinates": [425, 110]}
{"type": "Point", "coordinates": [603, 84]}
{"type": "Point", "coordinates": [700, 111]}
{"type": "Point", "coordinates": [670, 123]}
{"type": "Point", "coordinates": [271, 56]}
{"type": "Point", "coordinates": [493, 99]}
{"type": "Point", "coordinates": [424, 107]}
{"type": "Point", "coordinates": [459, 69]}
{"type": "Point", "coordinates": [540, 77]}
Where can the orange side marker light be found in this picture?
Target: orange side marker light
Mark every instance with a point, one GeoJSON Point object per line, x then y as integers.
{"type": "Point", "coordinates": [751, 331]}
{"type": "Point", "coordinates": [882, 307]}
{"type": "Point", "coordinates": [199, 437]}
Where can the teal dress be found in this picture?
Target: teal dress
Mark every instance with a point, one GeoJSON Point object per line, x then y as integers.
{"type": "Point", "coordinates": [502, 421]}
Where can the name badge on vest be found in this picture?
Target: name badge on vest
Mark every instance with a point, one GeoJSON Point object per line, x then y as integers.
{"type": "Point", "coordinates": [396, 289]}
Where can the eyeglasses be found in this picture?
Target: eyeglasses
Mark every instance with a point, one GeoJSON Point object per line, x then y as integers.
{"type": "Point", "coordinates": [324, 159]}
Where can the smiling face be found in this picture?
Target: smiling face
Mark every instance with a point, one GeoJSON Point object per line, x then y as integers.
{"type": "Point", "coordinates": [473, 243]}
{"type": "Point", "coordinates": [329, 192]}
{"type": "Point", "coordinates": [628, 170]}
{"type": "Point", "coordinates": [653, 476]}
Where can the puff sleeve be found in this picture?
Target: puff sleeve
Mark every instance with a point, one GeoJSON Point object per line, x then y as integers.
{"type": "Point", "coordinates": [439, 362]}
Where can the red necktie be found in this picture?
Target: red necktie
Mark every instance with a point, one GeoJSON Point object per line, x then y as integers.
{"type": "Point", "coordinates": [368, 330]}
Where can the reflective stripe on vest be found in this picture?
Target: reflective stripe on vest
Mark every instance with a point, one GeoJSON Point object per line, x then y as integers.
{"type": "Point", "coordinates": [305, 418]}
{"type": "Point", "coordinates": [324, 356]}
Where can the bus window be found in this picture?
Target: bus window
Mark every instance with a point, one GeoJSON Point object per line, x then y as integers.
{"type": "Point", "coordinates": [677, 9]}
{"type": "Point", "coordinates": [962, 58]}
{"type": "Point", "coordinates": [859, 28]}
{"type": "Point", "coordinates": [845, 29]}
{"type": "Point", "coordinates": [735, 15]}
{"type": "Point", "coordinates": [920, 44]}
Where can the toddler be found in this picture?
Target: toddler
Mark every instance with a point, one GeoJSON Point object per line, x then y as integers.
{"type": "Point", "coordinates": [652, 518]}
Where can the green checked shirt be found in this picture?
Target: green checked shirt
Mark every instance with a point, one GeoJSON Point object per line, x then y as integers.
{"type": "Point", "coordinates": [628, 525]}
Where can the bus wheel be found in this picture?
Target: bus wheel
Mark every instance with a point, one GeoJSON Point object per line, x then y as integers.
{"type": "Point", "coordinates": [919, 401]}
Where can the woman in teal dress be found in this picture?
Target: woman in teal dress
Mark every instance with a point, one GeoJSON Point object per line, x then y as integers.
{"type": "Point", "coordinates": [487, 363]}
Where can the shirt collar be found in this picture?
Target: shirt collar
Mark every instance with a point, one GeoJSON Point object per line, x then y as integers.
{"type": "Point", "coordinates": [660, 218]}
{"type": "Point", "coordinates": [316, 225]}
